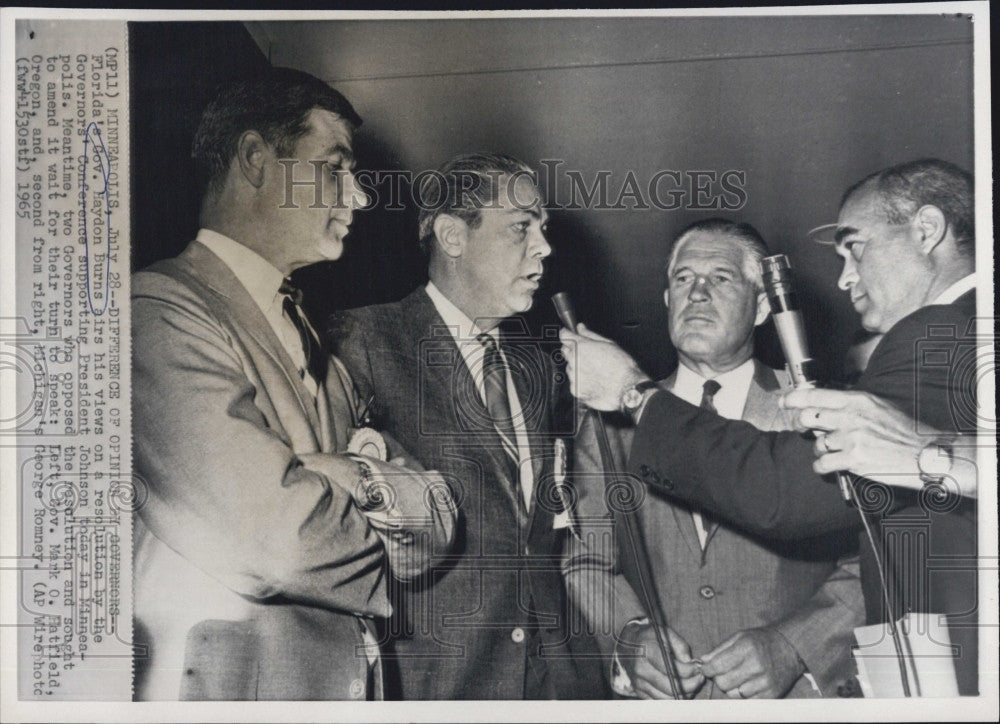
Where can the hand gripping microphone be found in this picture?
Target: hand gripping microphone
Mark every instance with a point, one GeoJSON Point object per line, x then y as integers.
{"type": "Point", "coordinates": [787, 316]}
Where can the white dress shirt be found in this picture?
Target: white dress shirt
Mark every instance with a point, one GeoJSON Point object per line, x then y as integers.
{"type": "Point", "coordinates": [262, 280]}
{"type": "Point", "coordinates": [729, 402]}
{"type": "Point", "coordinates": [956, 290]}
{"type": "Point", "coordinates": [465, 331]}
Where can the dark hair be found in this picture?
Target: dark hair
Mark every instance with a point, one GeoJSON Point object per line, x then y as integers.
{"type": "Point", "coordinates": [903, 189]}
{"type": "Point", "coordinates": [746, 236]}
{"type": "Point", "coordinates": [462, 187]}
{"type": "Point", "coordinates": [276, 105]}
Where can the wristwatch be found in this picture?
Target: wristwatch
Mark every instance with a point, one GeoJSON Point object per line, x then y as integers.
{"type": "Point", "coordinates": [370, 496]}
{"type": "Point", "coordinates": [935, 460]}
{"type": "Point", "coordinates": [631, 398]}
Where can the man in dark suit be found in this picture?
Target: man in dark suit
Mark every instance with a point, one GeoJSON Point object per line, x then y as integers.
{"type": "Point", "coordinates": [260, 554]}
{"type": "Point", "coordinates": [906, 235]}
{"type": "Point", "coordinates": [768, 618]}
{"type": "Point", "coordinates": [477, 402]}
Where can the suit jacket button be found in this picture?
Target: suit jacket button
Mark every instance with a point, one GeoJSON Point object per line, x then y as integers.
{"type": "Point", "coordinates": [706, 592]}
{"type": "Point", "coordinates": [517, 635]}
{"type": "Point", "coordinates": [666, 483]}
{"type": "Point", "coordinates": [644, 470]}
{"type": "Point", "coordinates": [357, 689]}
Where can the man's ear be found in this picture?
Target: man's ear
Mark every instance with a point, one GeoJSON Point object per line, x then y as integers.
{"type": "Point", "coordinates": [763, 309]}
{"type": "Point", "coordinates": [931, 226]}
{"type": "Point", "coordinates": [251, 153]}
{"type": "Point", "coordinates": [451, 234]}
{"type": "Point", "coordinates": [666, 298]}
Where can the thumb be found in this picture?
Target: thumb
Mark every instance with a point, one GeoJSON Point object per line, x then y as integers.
{"type": "Point", "coordinates": [679, 646]}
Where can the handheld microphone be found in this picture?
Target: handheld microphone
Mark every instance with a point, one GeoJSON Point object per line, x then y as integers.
{"type": "Point", "coordinates": [777, 273]}
{"type": "Point", "coordinates": [787, 316]}
{"type": "Point", "coordinates": [564, 308]}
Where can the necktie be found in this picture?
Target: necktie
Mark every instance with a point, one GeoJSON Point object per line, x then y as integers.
{"type": "Point", "coordinates": [497, 402]}
{"type": "Point", "coordinates": [708, 521]}
{"type": "Point", "coordinates": [708, 391]}
{"type": "Point", "coordinates": [315, 356]}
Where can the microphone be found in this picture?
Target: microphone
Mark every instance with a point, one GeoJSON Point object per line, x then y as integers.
{"type": "Point", "coordinates": [787, 316]}
{"type": "Point", "coordinates": [564, 308]}
{"type": "Point", "coordinates": [777, 273]}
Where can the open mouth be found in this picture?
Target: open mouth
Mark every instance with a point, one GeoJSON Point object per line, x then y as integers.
{"type": "Point", "coordinates": [342, 225]}
{"type": "Point", "coordinates": [535, 278]}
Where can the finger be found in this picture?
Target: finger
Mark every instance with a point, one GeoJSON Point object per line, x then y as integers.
{"type": "Point", "coordinates": [680, 647]}
{"type": "Point", "coordinates": [723, 657]}
{"type": "Point", "coordinates": [733, 678]}
{"type": "Point", "coordinates": [756, 687]}
{"type": "Point", "coordinates": [652, 687]}
{"type": "Point", "coordinates": [815, 397]}
{"type": "Point", "coordinates": [654, 678]}
{"type": "Point", "coordinates": [691, 684]}
{"type": "Point", "coordinates": [832, 462]}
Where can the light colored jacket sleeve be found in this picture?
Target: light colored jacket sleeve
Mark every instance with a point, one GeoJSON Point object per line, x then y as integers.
{"type": "Point", "coordinates": [225, 489]}
{"type": "Point", "coordinates": [594, 582]}
{"type": "Point", "coordinates": [822, 630]}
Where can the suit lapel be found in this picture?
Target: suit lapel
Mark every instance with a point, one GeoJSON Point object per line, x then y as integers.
{"type": "Point", "coordinates": [681, 511]}
{"type": "Point", "coordinates": [760, 410]}
{"type": "Point", "coordinates": [450, 388]}
{"type": "Point", "coordinates": [247, 316]}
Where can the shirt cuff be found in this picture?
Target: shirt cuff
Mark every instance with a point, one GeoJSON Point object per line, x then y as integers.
{"type": "Point", "coordinates": [621, 683]}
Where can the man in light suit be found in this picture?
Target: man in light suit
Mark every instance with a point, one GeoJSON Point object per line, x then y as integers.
{"type": "Point", "coordinates": [759, 614]}
{"type": "Point", "coordinates": [260, 554]}
{"type": "Point", "coordinates": [477, 403]}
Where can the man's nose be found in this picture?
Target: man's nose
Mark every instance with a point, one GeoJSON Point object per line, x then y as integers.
{"type": "Point", "coordinates": [699, 289]}
{"type": "Point", "coordinates": [540, 246]}
{"type": "Point", "coordinates": [848, 275]}
{"type": "Point", "coordinates": [354, 196]}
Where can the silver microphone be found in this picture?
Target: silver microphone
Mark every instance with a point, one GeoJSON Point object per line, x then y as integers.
{"type": "Point", "coordinates": [777, 273]}
{"type": "Point", "coordinates": [788, 319]}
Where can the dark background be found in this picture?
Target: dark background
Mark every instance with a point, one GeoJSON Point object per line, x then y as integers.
{"type": "Point", "coordinates": [804, 106]}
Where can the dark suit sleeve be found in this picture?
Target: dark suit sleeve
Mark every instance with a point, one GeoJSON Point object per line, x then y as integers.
{"type": "Point", "coordinates": [226, 490]}
{"type": "Point", "coordinates": [762, 482]}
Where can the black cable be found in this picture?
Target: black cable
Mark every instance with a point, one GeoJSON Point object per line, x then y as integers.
{"type": "Point", "coordinates": [644, 569]}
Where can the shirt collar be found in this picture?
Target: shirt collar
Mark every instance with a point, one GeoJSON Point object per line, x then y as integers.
{"type": "Point", "coordinates": [956, 290]}
{"type": "Point", "coordinates": [462, 328]}
{"type": "Point", "coordinates": [257, 275]}
{"type": "Point", "coordinates": [688, 385]}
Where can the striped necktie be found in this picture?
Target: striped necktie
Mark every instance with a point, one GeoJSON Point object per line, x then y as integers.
{"type": "Point", "coordinates": [497, 402]}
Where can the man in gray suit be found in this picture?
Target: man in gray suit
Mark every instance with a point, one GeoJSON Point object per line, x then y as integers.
{"type": "Point", "coordinates": [460, 383]}
{"type": "Point", "coordinates": [748, 617]}
{"type": "Point", "coordinates": [259, 556]}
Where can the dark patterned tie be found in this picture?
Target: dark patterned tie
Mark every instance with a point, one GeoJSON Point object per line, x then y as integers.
{"type": "Point", "coordinates": [315, 356]}
{"type": "Point", "coordinates": [495, 388]}
{"type": "Point", "coordinates": [708, 391]}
